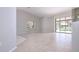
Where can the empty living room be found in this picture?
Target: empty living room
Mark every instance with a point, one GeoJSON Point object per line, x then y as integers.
{"type": "Point", "coordinates": [44, 29]}
{"type": "Point", "coordinates": [39, 29]}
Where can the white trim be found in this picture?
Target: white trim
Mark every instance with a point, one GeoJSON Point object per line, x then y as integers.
{"type": "Point", "coordinates": [20, 40]}
{"type": "Point", "coordinates": [12, 49]}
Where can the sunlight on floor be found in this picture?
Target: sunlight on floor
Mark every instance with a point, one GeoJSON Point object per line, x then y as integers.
{"type": "Point", "coordinates": [46, 42]}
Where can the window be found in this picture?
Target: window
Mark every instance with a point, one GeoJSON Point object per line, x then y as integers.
{"type": "Point", "coordinates": [64, 24]}
{"type": "Point", "coordinates": [57, 19]}
{"type": "Point", "coordinates": [63, 18]}
{"type": "Point", "coordinates": [69, 17]}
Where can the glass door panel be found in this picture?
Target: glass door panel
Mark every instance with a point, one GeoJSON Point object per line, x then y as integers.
{"type": "Point", "coordinates": [64, 26]}
{"type": "Point", "coordinates": [57, 27]}
{"type": "Point", "coordinates": [68, 27]}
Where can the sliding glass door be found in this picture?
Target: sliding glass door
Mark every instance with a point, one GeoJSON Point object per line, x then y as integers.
{"type": "Point", "coordinates": [64, 25]}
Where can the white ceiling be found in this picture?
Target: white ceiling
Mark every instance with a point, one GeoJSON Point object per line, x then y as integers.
{"type": "Point", "coordinates": [45, 11]}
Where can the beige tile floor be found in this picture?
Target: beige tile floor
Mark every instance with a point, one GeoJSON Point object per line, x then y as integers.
{"type": "Point", "coordinates": [46, 42]}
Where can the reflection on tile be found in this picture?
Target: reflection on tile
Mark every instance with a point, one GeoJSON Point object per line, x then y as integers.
{"type": "Point", "coordinates": [46, 42]}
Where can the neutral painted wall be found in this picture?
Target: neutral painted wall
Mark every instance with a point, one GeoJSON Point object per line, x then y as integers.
{"type": "Point", "coordinates": [7, 28]}
{"type": "Point", "coordinates": [75, 30]}
{"type": "Point", "coordinates": [75, 36]}
{"type": "Point", "coordinates": [41, 24]}
{"type": "Point", "coordinates": [22, 19]}
{"type": "Point", "coordinates": [48, 24]}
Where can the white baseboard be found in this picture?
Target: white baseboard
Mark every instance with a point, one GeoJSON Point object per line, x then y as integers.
{"type": "Point", "coordinates": [20, 40]}
{"type": "Point", "coordinates": [12, 49]}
